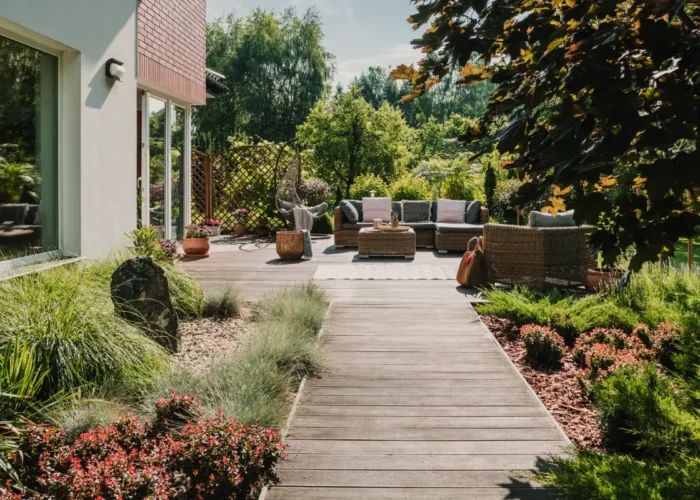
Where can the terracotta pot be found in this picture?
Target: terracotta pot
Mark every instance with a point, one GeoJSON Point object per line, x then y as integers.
{"type": "Point", "coordinates": [239, 230]}
{"type": "Point", "coordinates": [196, 246]}
{"type": "Point", "coordinates": [261, 231]}
{"type": "Point", "coordinates": [597, 278]}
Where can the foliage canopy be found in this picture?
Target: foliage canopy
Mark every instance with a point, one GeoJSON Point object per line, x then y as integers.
{"type": "Point", "coordinates": [602, 97]}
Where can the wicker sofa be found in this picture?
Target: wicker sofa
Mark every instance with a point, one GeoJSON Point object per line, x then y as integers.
{"type": "Point", "coordinates": [430, 234]}
{"type": "Point", "coordinates": [537, 257]}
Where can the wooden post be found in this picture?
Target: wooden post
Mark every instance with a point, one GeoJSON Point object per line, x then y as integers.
{"type": "Point", "coordinates": [208, 188]}
{"type": "Point", "coordinates": [517, 216]}
{"type": "Point", "coordinates": [690, 253]}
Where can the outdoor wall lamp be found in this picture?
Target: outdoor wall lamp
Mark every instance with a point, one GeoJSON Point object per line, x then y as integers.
{"type": "Point", "coordinates": [115, 69]}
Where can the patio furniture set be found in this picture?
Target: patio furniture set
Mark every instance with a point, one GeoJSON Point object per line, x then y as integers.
{"type": "Point", "coordinates": [551, 251]}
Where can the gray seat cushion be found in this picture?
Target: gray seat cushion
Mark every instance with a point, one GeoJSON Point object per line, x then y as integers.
{"type": "Point", "coordinates": [445, 227]}
{"type": "Point", "coordinates": [359, 225]}
{"type": "Point", "coordinates": [14, 212]}
{"type": "Point", "coordinates": [419, 225]}
{"type": "Point", "coordinates": [473, 215]}
{"type": "Point", "coordinates": [350, 213]}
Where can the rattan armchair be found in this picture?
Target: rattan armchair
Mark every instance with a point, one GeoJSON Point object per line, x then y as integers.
{"type": "Point", "coordinates": [536, 257]}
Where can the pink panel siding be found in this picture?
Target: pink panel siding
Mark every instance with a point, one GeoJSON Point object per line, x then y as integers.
{"type": "Point", "coordinates": [172, 45]}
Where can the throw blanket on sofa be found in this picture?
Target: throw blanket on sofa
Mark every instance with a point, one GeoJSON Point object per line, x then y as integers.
{"type": "Point", "coordinates": [303, 219]}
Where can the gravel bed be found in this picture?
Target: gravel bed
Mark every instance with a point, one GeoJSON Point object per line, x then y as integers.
{"type": "Point", "coordinates": [559, 390]}
{"type": "Point", "coordinates": [205, 340]}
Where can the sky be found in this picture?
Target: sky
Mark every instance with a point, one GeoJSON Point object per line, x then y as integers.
{"type": "Point", "coordinates": [359, 33]}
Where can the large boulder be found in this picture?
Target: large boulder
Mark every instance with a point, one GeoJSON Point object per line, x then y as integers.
{"type": "Point", "coordinates": [141, 296]}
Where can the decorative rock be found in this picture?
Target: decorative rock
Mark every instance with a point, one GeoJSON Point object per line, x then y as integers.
{"type": "Point", "coordinates": [141, 295]}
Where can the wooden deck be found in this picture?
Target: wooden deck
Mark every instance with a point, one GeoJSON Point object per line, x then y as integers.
{"type": "Point", "coordinates": [418, 400]}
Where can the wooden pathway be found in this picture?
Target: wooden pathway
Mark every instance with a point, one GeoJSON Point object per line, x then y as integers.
{"type": "Point", "coordinates": [418, 402]}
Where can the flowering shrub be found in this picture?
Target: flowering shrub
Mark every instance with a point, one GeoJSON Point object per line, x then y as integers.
{"type": "Point", "coordinates": [613, 337]}
{"type": "Point", "coordinates": [168, 248]}
{"type": "Point", "coordinates": [543, 345]}
{"type": "Point", "coordinates": [147, 244]}
{"type": "Point", "coordinates": [661, 341]}
{"type": "Point", "coordinates": [210, 457]}
{"type": "Point", "coordinates": [313, 191]}
{"type": "Point", "coordinates": [212, 222]}
{"type": "Point", "coordinates": [200, 231]}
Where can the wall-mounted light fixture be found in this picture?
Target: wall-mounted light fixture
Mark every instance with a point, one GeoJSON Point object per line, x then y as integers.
{"type": "Point", "coordinates": [115, 70]}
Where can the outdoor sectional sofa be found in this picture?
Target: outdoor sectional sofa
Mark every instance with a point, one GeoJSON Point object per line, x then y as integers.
{"type": "Point", "coordinates": [430, 234]}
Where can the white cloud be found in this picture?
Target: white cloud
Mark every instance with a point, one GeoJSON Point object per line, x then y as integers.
{"type": "Point", "coordinates": [349, 69]}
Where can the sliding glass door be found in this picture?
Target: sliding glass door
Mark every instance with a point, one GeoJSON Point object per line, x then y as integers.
{"type": "Point", "coordinates": [165, 162]}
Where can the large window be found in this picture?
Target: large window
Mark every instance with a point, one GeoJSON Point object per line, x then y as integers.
{"type": "Point", "coordinates": [28, 150]}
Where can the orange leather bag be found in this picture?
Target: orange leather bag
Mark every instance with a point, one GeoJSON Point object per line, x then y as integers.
{"type": "Point", "coordinates": [471, 268]}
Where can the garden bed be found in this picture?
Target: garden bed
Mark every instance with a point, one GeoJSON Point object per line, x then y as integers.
{"type": "Point", "coordinates": [206, 340]}
{"type": "Point", "coordinates": [559, 390]}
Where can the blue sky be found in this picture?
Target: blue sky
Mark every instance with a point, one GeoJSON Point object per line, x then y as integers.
{"type": "Point", "coordinates": [360, 33]}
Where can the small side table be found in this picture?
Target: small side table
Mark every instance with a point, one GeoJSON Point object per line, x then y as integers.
{"type": "Point", "coordinates": [375, 243]}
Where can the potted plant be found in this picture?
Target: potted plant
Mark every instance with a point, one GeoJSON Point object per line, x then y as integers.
{"type": "Point", "coordinates": [196, 241]}
{"type": "Point", "coordinates": [214, 226]}
{"type": "Point", "coordinates": [261, 228]}
{"type": "Point", "coordinates": [601, 276]}
{"type": "Point", "coordinates": [241, 216]}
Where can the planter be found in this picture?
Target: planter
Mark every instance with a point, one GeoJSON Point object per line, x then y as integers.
{"type": "Point", "coordinates": [290, 245]}
{"type": "Point", "coordinates": [197, 247]}
{"type": "Point", "coordinates": [239, 230]}
{"type": "Point", "coordinates": [215, 230]}
{"type": "Point", "coordinates": [598, 278]}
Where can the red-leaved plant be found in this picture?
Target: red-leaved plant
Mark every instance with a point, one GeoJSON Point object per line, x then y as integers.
{"type": "Point", "coordinates": [181, 454]}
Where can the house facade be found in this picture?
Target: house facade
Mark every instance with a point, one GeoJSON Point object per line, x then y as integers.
{"type": "Point", "coordinates": [96, 99]}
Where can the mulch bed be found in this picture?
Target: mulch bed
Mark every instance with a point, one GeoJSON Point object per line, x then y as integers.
{"type": "Point", "coordinates": [559, 390]}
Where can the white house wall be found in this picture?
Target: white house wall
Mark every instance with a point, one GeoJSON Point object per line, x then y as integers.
{"type": "Point", "coordinates": [97, 141]}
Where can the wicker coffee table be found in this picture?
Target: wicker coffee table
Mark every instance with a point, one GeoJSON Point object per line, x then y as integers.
{"type": "Point", "coordinates": [374, 243]}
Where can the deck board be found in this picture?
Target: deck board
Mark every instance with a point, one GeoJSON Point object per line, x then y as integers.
{"type": "Point", "coordinates": [418, 400]}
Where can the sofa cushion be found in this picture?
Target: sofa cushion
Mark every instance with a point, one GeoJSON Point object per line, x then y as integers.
{"type": "Point", "coordinates": [359, 225]}
{"type": "Point", "coordinates": [376, 208]}
{"type": "Point", "coordinates": [452, 211]}
{"type": "Point", "coordinates": [416, 211]}
{"type": "Point", "coordinates": [14, 212]}
{"type": "Point", "coordinates": [418, 226]}
{"type": "Point", "coordinates": [444, 227]}
{"type": "Point", "coordinates": [563, 219]}
{"type": "Point", "coordinates": [473, 215]}
{"type": "Point", "coordinates": [349, 212]}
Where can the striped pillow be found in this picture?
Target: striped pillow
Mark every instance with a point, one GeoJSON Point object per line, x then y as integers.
{"type": "Point", "coordinates": [451, 211]}
{"type": "Point", "coordinates": [376, 208]}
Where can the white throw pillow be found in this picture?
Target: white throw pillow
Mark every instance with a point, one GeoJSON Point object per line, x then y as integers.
{"type": "Point", "coordinates": [376, 208]}
{"type": "Point", "coordinates": [562, 219]}
{"type": "Point", "coordinates": [451, 211]}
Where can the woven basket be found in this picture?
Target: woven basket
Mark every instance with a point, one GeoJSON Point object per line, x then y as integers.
{"type": "Point", "coordinates": [290, 245]}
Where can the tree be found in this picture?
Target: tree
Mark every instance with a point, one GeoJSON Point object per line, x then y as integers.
{"type": "Point", "coordinates": [348, 137]}
{"type": "Point", "coordinates": [276, 69]}
{"type": "Point", "coordinates": [603, 102]}
{"type": "Point", "coordinates": [378, 87]}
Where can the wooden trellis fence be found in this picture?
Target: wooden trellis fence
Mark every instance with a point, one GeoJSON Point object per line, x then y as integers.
{"type": "Point", "coordinates": [240, 177]}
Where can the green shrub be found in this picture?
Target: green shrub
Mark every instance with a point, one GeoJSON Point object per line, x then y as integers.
{"type": "Point", "coordinates": [66, 318]}
{"type": "Point", "coordinates": [324, 225]}
{"type": "Point", "coordinates": [640, 415]}
{"type": "Point", "coordinates": [222, 305]}
{"type": "Point", "coordinates": [365, 184]}
{"type": "Point", "coordinates": [591, 476]}
{"type": "Point", "coordinates": [409, 187]}
{"type": "Point", "coordinates": [543, 345]}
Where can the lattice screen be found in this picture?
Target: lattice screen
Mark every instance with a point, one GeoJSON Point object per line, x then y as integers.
{"type": "Point", "coordinates": [241, 177]}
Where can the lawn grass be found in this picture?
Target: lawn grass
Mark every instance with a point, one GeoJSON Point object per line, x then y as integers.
{"type": "Point", "coordinates": [681, 252]}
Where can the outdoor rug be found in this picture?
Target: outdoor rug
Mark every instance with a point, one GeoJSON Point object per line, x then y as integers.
{"type": "Point", "coordinates": [386, 271]}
